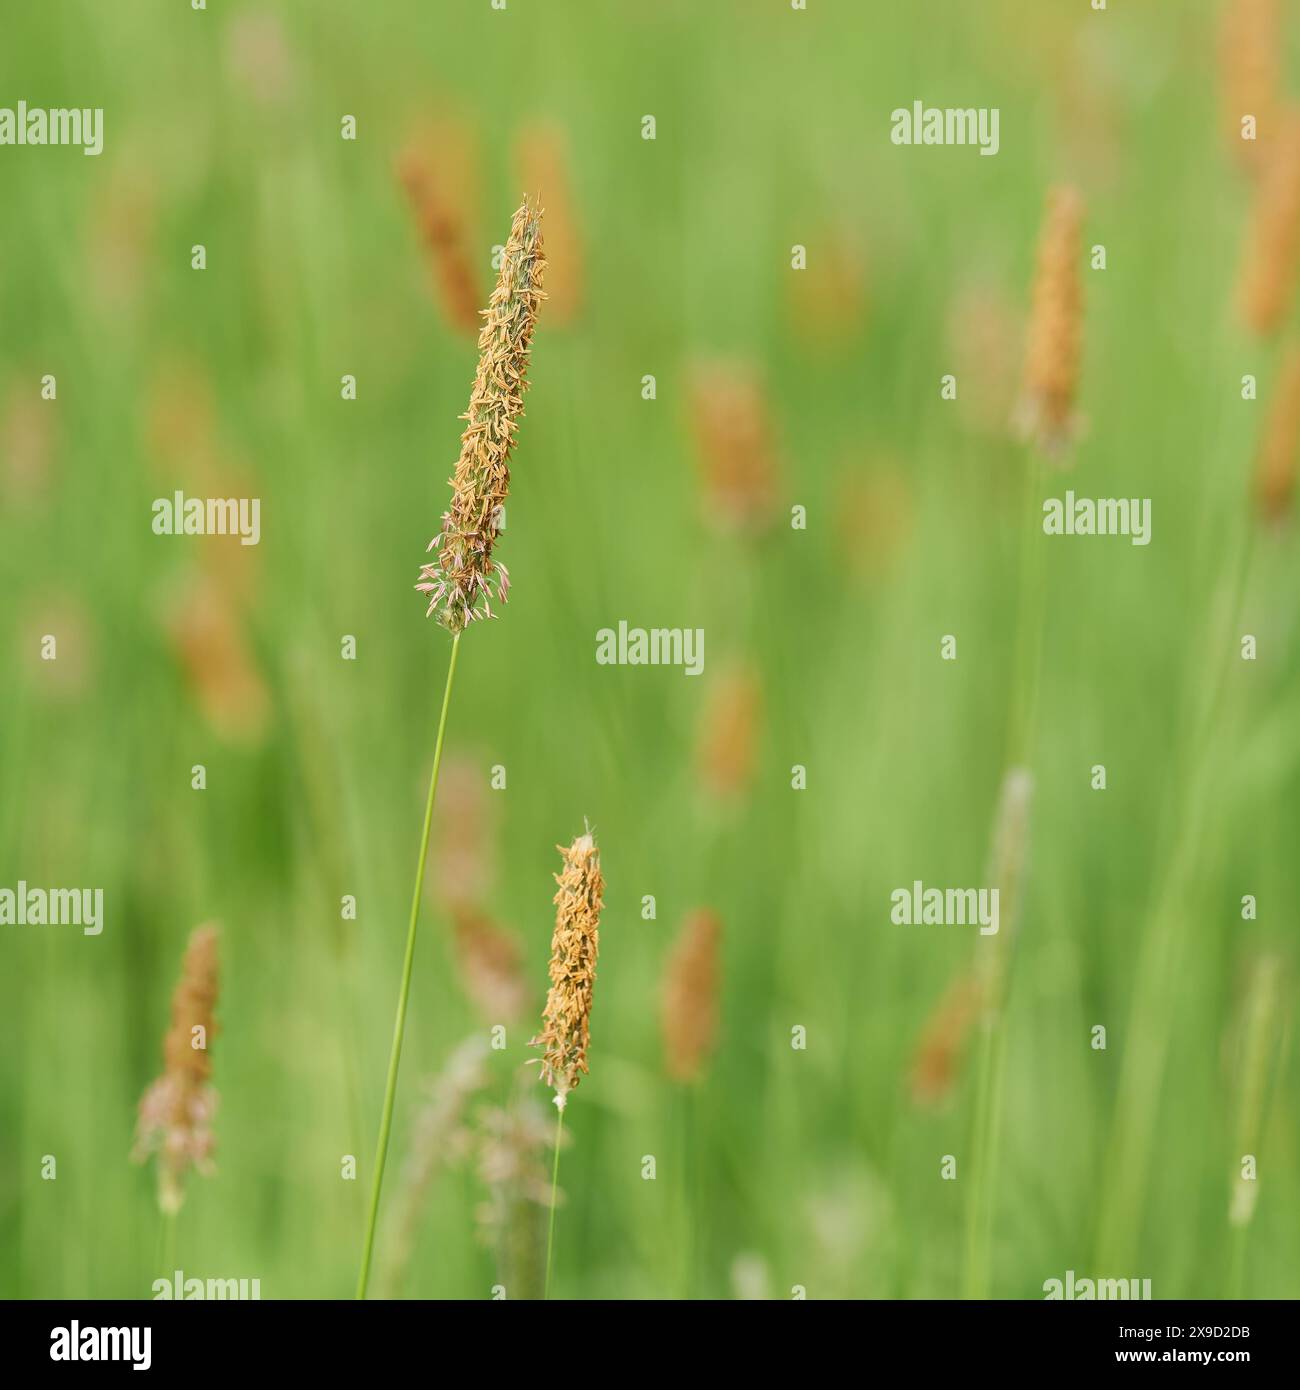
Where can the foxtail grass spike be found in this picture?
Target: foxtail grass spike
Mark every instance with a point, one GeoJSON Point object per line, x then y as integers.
{"type": "Point", "coordinates": [1046, 413]}
{"type": "Point", "coordinates": [936, 1062]}
{"type": "Point", "coordinates": [729, 733]}
{"type": "Point", "coordinates": [491, 965]}
{"type": "Point", "coordinates": [1251, 45]}
{"type": "Point", "coordinates": [735, 446]}
{"type": "Point", "coordinates": [1268, 272]}
{"type": "Point", "coordinates": [690, 998]}
{"type": "Point", "coordinates": [460, 579]}
{"type": "Point", "coordinates": [464, 867]}
{"type": "Point", "coordinates": [177, 1110]}
{"type": "Point", "coordinates": [442, 230]}
{"type": "Point", "coordinates": [1275, 472]}
{"type": "Point", "coordinates": [566, 1027]}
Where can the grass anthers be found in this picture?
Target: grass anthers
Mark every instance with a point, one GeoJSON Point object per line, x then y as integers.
{"type": "Point", "coordinates": [566, 1020]}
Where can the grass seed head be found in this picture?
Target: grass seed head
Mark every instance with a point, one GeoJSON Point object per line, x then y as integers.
{"type": "Point", "coordinates": [176, 1112]}
{"type": "Point", "coordinates": [1268, 271]}
{"type": "Point", "coordinates": [1250, 49]}
{"type": "Point", "coordinates": [464, 838]}
{"type": "Point", "coordinates": [1046, 414]}
{"type": "Point", "coordinates": [1275, 472]}
{"type": "Point", "coordinates": [874, 516]}
{"type": "Point", "coordinates": [690, 997]}
{"type": "Point", "coordinates": [734, 444]}
{"type": "Point", "coordinates": [433, 186]}
{"type": "Point", "coordinates": [211, 644]}
{"type": "Point", "coordinates": [937, 1059]}
{"type": "Point", "coordinates": [566, 1025]}
{"type": "Point", "coordinates": [729, 732]}
{"type": "Point", "coordinates": [459, 580]}
{"type": "Point", "coordinates": [491, 965]}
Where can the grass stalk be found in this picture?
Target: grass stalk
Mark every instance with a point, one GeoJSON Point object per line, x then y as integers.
{"type": "Point", "coordinates": [1236, 1263]}
{"type": "Point", "coordinates": [1047, 421]}
{"type": "Point", "coordinates": [404, 992]}
{"type": "Point", "coordinates": [165, 1253]}
{"type": "Point", "coordinates": [985, 1130]}
{"type": "Point", "coordinates": [1160, 958]}
{"type": "Point", "coordinates": [555, 1187]}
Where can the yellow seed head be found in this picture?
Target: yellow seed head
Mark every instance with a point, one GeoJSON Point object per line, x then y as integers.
{"type": "Point", "coordinates": [464, 837]}
{"type": "Point", "coordinates": [1268, 270]}
{"type": "Point", "coordinates": [459, 581]}
{"type": "Point", "coordinates": [1251, 46]}
{"type": "Point", "coordinates": [1275, 473]}
{"type": "Point", "coordinates": [177, 1110]}
{"type": "Point", "coordinates": [428, 179]}
{"type": "Point", "coordinates": [566, 1023]}
{"type": "Point", "coordinates": [490, 961]}
{"type": "Point", "coordinates": [734, 444]}
{"type": "Point", "coordinates": [690, 998]}
{"type": "Point", "coordinates": [937, 1058]}
{"type": "Point", "coordinates": [729, 732]}
{"type": "Point", "coordinates": [1046, 412]}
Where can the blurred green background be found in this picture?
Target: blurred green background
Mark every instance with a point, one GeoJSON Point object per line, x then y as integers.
{"type": "Point", "coordinates": [815, 1168]}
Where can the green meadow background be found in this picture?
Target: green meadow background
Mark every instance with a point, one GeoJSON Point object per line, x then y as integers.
{"type": "Point", "coordinates": [783, 1168]}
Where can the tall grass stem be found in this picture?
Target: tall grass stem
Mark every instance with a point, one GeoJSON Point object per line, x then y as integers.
{"type": "Point", "coordinates": [992, 1045]}
{"type": "Point", "coordinates": [165, 1254]}
{"type": "Point", "coordinates": [399, 1023]}
{"type": "Point", "coordinates": [555, 1187]}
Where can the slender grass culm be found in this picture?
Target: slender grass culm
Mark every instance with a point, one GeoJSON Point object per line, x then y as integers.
{"type": "Point", "coordinates": [459, 580]}
{"type": "Point", "coordinates": [1260, 1028]}
{"type": "Point", "coordinates": [566, 1022]}
{"type": "Point", "coordinates": [1047, 421]}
